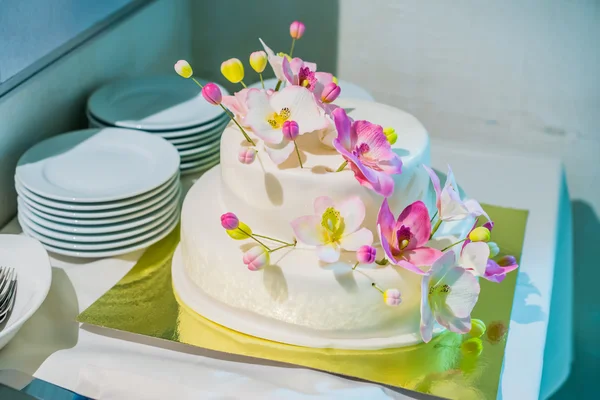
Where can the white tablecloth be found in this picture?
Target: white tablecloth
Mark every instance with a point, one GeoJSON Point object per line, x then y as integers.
{"type": "Point", "coordinates": [109, 364]}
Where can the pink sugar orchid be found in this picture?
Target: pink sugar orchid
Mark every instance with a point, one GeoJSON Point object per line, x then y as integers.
{"type": "Point", "coordinates": [448, 202]}
{"type": "Point", "coordinates": [448, 295]}
{"type": "Point", "coordinates": [237, 104]}
{"type": "Point", "coordinates": [333, 227]}
{"type": "Point", "coordinates": [404, 240]}
{"type": "Point", "coordinates": [365, 147]}
{"type": "Point", "coordinates": [301, 73]}
{"type": "Point", "coordinates": [267, 115]}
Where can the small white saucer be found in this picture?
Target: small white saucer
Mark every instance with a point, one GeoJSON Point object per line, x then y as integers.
{"type": "Point", "coordinates": [34, 276]}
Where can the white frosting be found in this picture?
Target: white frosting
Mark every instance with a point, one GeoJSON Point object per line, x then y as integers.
{"type": "Point", "coordinates": [329, 301]}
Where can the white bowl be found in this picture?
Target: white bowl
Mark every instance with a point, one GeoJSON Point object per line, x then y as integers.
{"type": "Point", "coordinates": [34, 276]}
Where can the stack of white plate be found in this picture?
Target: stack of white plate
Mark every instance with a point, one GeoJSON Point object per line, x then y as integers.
{"type": "Point", "coordinates": [167, 106]}
{"type": "Point", "coordinates": [99, 192]}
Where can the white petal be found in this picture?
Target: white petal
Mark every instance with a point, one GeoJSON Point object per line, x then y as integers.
{"type": "Point", "coordinates": [475, 256]}
{"type": "Point", "coordinates": [308, 230]}
{"type": "Point", "coordinates": [321, 204]}
{"type": "Point", "coordinates": [259, 110]}
{"type": "Point", "coordinates": [426, 313]}
{"type": "Point", "coordinates": [354, 240]}
{"type": "Point", "coordinates": [441, 266]}
{"type": "Point", "coordinates": [475, 209]}
{"type": "Point", "coordinates": [464, 291]}
{"type": "Point", "coordinates": [279, 152]}
{"type": "Point", "coordinates": [352, 210]}
{"type": "Point", "coordinates": [303, 108]}
{"type": "Point", "coordinates": [329, 253]}
{"type": "Point", "coordinates": [451, 208]}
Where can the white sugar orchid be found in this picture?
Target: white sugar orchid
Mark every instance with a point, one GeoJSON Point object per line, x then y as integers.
{"type": "Point", "coordinates": [275, 60]}
{"type": "Point", "coordinates": [267, 114]}
{"type": "Point", "coordinates": [333, 227]}
{"type": "Point", "coordinates": [449, 204]}
{"type": "Point", "coordinates": [448, 294]}
{"type": "Point", "coordinates": [474, 257]}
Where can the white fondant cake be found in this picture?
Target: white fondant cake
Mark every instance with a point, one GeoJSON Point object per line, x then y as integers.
{"type": "Point", "coordinates": [326, 300]}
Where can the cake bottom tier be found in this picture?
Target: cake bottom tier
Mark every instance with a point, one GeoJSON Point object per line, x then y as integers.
{"type": "Point", "coordinates": [296, 292]}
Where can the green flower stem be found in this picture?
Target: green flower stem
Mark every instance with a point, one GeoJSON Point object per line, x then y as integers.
{"type": "Point", "coordinates": [298, 154]}
{"type": "Point", "coordinates": [262, 82]}
{"type": "Point", "coordinates": [383, 261]}
{"type": "Point", "coordinates": [377, 287]}
{"type": "Point", "coordinates": [238, 125]}
{"type": "Point", "coordinates": [243, 84]}
{"type": "Point", "coordinates": [434, 215]}
{"type": "Point", "coordinates": [453, 244]}
{"type": "Point", "coordinates": [255, 239]}
{"type": "Point", "coordinates": [275, 240]}
{"type": "Point", "coordinates": [355, 265]}
{"type": "Point", "coordinates": [281, 247]}
{"type": "Point", "coordinates": [292, 49]}
{"type": "Point", "coordinates": [197, 83]}
{"type": "Point", "coordinates": [435, 228]}
{"type": "Point", "coordinates": [341, 167]}
{"type": "Point", "coordinates": [278, 85]}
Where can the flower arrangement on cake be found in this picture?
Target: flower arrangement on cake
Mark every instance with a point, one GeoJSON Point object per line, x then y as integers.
{"type": "Point", "coordinates": [351, 229]}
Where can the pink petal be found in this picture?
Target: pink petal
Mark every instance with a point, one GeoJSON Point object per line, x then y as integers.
{"type": "Point", "coordinates": [436, 184]}
{"type": "Point", "coordinates": [287, 71]}
{"type": "Point", "coordinates": [496, 273]}
{"type": "Point", "coordinates": [392, 166]}
{"type": "Point", "coordinates": [422, 256]}
{"type": "Point", "coordinates": [321, 204]}
{"type": "Point", "coordinates": [386, 246]}
{"type": "Point", "coordinates": [353, 211]}
{"type": "Point", "coordinates": [328, 253]}
{"type": "Point", "coordinates": [375, 180]}
{"type": "Point", "coordinates": [310, 65]}
{"type": "Point", "coordinates": [308, 230]}
{"type": "Point", "coordinates": [372, 135]}
{"type": "Point", "coordinates": [346, 137]}
{"type": "Point", "coordinates": [385, 220]}
{"type": "Point", "coordinates": [452, 323]}
{"type": "Point", "coordinates": [411, 267]}
{"type": "Point", "coordinates": [416, 218]}
{"type": "Point", "coordinates": [323, 78]}
{"type": "Point", "coordinates": [464, 291]}
{"type": "Point", "coordinates": [355, 240]}
{"type": "Point", "coordinates": [231, 102]}
{"type": "Point", "coordinates": [426, 326]}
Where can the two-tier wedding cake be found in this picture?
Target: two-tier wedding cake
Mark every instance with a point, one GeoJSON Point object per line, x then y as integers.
{"type": "Point", "coordinates": [323, 225]}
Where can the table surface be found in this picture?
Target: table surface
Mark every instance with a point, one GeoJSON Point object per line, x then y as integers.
{"type": "Point", "coordinates": [54, 347]}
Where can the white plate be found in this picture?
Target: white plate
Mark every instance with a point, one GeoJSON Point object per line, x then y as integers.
{"type": "Point", "coordinates": [102, 221]}
{"type": "Point", "coordinates": [34, 276]}
{"type": "Point", "coordinates": [95, 229]}
{"type": "Point", "coordinates": [210, 148]}
{"type": "Point", "coordinates": [94, 206]}
{"type": "Point", "coordinates": [198, 137]}
{"type": "Point", "coordinates": [97, 165]}
{"type": "Point", "coordinates": [200, 168]}
{"type": "Point", "coordinates": [162, 198]}
{"type": "Point", "coordinates": [94, 238]}
{"type": "Point", "coordinates": [197, 143]}
{"type": "Point", "coordinates": [196, 161]}
{"type": "Point", "coordinates": [349, 89]}
{"type": "Point", "coordinates": [153, 104]}
{"type": "Point", "coordinates": [116, 251]}
{"type": "Point", "coordinates": [96, 246]}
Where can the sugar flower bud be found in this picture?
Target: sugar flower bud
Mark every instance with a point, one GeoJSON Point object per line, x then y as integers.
{"type": "Point", "coordinates": [297, 29]}
{"type": "Point", "coordinates": [290, 130]}
{"type": "Point", "coordinates": [246, 155]}
{"type": "Point", "coordinates": [183, 68]}
{"type": "Point", "coordinates": [212, 94]}
{"type": "Point", "coordinates": [330, 92]}
{"type": "Point", "coordinates": [229, 221]}
{"type": "Point", "coordinates": [477, 328]}
{"type": "Point", "coordinates": [233, 70]}
{"type": "Point", "coordinates": [366, 254]}
{"type": "Point", "coordinates": [390, 134]}
{"type": "Point", "coordinates": [392, 297]}
{"type": "Point", "coordinates": [242, 232]}
{"type": "Point", "coordinates": [494, 249]}
{"type": "Point", "coordinates": [256, 258]}
{"type": "Point", "coordinates": [472, 347]}
{"type": "Point", "coordinates": [506, 261]}
{"type": "Point", "coordinates": [258, 61]}
{"type": "Point", "coordinates": [480, 234]}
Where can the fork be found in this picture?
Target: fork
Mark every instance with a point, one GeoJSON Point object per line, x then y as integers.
{"type": "Point", "coordinates": [8, 291]}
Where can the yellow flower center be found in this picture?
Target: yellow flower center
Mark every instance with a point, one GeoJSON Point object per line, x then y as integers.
{"type": "Point", "coordinates": [276, 120]}
{"type": "Point", "coordinates": [333, 225]}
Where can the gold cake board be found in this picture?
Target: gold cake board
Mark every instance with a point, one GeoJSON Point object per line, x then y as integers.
{"type": "Point", "coordinates": [144, 303]}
